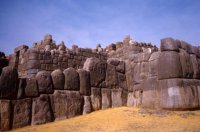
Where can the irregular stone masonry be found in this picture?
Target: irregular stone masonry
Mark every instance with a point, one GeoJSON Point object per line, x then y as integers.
{"type": "Point", "coordinates": [50, 82]}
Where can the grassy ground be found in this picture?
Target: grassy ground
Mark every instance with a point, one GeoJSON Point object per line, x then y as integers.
{"type": "Point", "coordinates": [125, 119]}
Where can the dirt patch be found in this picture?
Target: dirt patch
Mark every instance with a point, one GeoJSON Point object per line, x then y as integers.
{"type": "Point", "coordinates": [125, 119]}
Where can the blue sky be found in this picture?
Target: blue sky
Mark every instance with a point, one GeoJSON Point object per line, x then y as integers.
{"type": "Point", "coordinates": [88, 22]}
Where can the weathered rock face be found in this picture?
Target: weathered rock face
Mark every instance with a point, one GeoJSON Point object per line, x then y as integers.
{"type": "Point", "coordinates": [106, 98]}
{"type": "Point", "coordinates": [31, 89]}
{"type": "Point", "coordinates": [21, 112]}
{"type": "Point", "coordinates": [58, 79]}
{"type": "Point", "coordinates": [21, 88]}
{"type": "Point", "coordinates": [135, 98]}
{"type": "Point", "coordinates": [96, 98]}
{"type": "Point", "coordinates": [5, 115]}
{"type": "Point", "coordinates": [122, 81]}
{"type": "Point", "coordinates": [9, 83]}
{"type": "Point", "coordinates": [41, 112]}
{"type": "Point", "coordinates": [87, 107]}
{"type": "Point", "coordinates": [129, 75]}
{"type": "Point", "coordinates": [44, 80]}
{"type": "Point", "coordinates": [178, 94]}
{"type": "Point", "coordinates": [196, 66]}
{"type": "Point", "coordinates": [97, 70]}
{"type": "Point", "coordinates": [66, 104]}
{"type": "Point", "coordinates": [72, 81]}
{"type": "Point", "coordinates": [168, 44]}
{"type": "Point", "coordinates": [111, 77]}
{"type": "Point", "coordinates": [186, 63]}
{"type": "Point", "coordinates": [115, 77]}
{"type": "Point", "coordinates": [169, 65]}
{"type": "Point", "coordinates": [84, 82]}
{"type": "Point", "coordinates": [119, 97]}
{"type": "Point", "coordinates": [150, 93]}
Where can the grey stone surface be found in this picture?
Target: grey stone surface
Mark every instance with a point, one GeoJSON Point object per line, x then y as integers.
{"type": "Point", "coordinates": [186, 64]}
{"type": "Point", "coordinates": [119, 97]}
{"type": "Point", "coordinates": [96, 98]}
{"type": "Point", "coordinates": [196, 66]}
{"type": "Point", "coordinates": [87, 107]}
{"type": "Point", "coordinates": [150, 94]}
{"type": "Point", "coordinates": [97, 70]}
{"type": "Point", "coordinates": [58, 79]}
{"type": "Point", "coordinates": [169, 65]}
{"type": "Point", "coordinates": [6, 110]}
{"type": "Point", "coordinates": [106, 98]}
{"type": "Point", "coordinates": [111, 77]}
{"type": "Point", "coordinates": [41, 110]}
{"type": "Point", "coordinates": [168, 44]}
{"type": "Point", "coordinates": [84, 82]}
{"type": "Point", "coordinates": [31, 89]}
{"type": "Point", "coordinates": [66, 104]}
{"type": "Point", "coordinates": [72, 81]}
{"type": "Point", "coordinates": [9, 83]}
{"type": "Point", "coordinates": [21, 113]}
{"type": "Point", "coordinates": [44, 81]}
{"type": "Point", "coordinates": [178, 94]}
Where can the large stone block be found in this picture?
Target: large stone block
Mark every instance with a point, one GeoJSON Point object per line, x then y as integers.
{"type": "Point", "coordinates": [58, 79]}
{"type": "Point", "coordinates": [129, 75]}
{"type": "Point", "coordinates": [84, 82]}
{"type": "Point", "coordinates": [97, 70]}
{"type": "Point", "coordinates": [153, 68]}
{"type": "Point", "coordinates": [87, 107]}
{"type": "Point", "coordinates": [119, 97]}
{"type": "Point", "coordinates": [41, 110]}
{"type": "Point", "coordinates": [150, 95]}
{"type": "Point", "coordinates": [154, 56]}
{"type": "Point", "coordinates": [113, 61]}
{"type": "Point", "coordinates": [72, 81]}
{"type": "Point", "coordinates": [33, 56]}
{"type": "Point", "coordinates": [186, 64]}
{"type": "Point", "coordinates": [44, 80]}
{"type": "Point", "coordinates": [5, 106]}
{"type": "Point", "coordinates": [106, 98]}
{"type": "Point", "coordinates": [134, 98]}
{"type": "Point", "coordinates": [195, 63]}
{"type": "Point", "coordinates": [21, 88]}
{"type": "Point", "coordinates": [111, 77]}
{"type": "Point", "coordinates": [9, 83]}
{"type": "Point", "coordinates": [122, 81]}
{"type": "Point", "coordinates": [144, 73]}
{"type": "Point", "coordinates": [168, 44]}
{"type": "Point", "coordinates": [121, 67]}
{"type": "Point", "coordinates": [137, 73]}
{"type": "Point", "coordinates": [178, 94]}
{"type": "Point", "coordinates": [21, 112]}
{"type": "Point", "coordinates": [169, 65]}
{"type": "Point", "coordinates": [186, 46]}
{"type": "Point", "coordinates": [31, 89]}
{"type": "Point", "coordinates": [96, 98]}
{"type": "Point", "coordinates": [32, 64]}
{"type": "Point", "coordinates": [66, 104]}
{"type": "Point", "coordinates": [198, 89]}
{"type": "Point", "coordinates": [21, 47]}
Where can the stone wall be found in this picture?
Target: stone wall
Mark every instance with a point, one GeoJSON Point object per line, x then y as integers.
{"type": "Point", "coordinates": [46, 55]}
{"type": "Point", "coordinates": [47, 82]}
